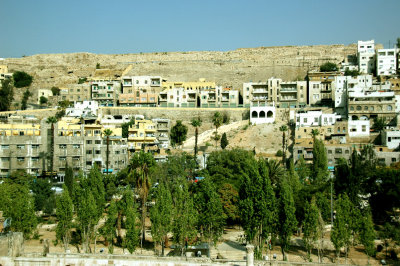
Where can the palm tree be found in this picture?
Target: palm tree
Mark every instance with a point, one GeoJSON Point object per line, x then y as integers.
{"type": "Point", "coordinates": [196, 123]}
{"type": "Point", "coordinates": [51, 120]}
{"type": "Point", "coordinates": [140, 166]}
{"type": "Point", "coordinates": [217, 120]}
{"type": "Point", "coordinates": [283, 129]}
{"type": "Point", "coordinates": [314, 133]}
{"type": "Point", "coordinates": [43, 156]}
{"type": "Point", "coordinates": [107, 133]}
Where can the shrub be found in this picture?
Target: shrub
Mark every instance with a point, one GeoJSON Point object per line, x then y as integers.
{"type": "Point", "coordinates": [22, 79]}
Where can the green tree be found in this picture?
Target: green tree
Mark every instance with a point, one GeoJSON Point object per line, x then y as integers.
{"type": "Point", "coordinates": [314, 134]}
{"type": "Point", "coordinates": [210, 212]}
{"type": "Point", "coordinates": [229, 198]}
{"type": "Point", "coordinates": [367, 235]}
{"type": "Point", "coordinates": [217, 120]}
{"type": "Point", "coordinates": [216, 138]}
{"type": "Point", "coordinates": [22, 79]}
{"type": "Point", "coordinates": [87, 213]}
{"type": "Point", "coordinates": [140, 166]}
{"type": "Point", "coordinates": [109, 228]}
{"type": "Point", "coordinates": [283, 129]}
{"type": "Point", "coordinates": [125, 127]}
{"type": "Point", "coordinates": [98, 66]}
{"type": "Point", "coordinates": [257, 205]}
{"type": "Point", "coordinates": [303, 170]}
{"type": "Point", "coordinates": [132, 232]}
{"type": "Point", "coordinates": [43, 195]}
{"type": "Point", "coordinates": [6, 95]}
{"type": "Point", "coordinates": [18, 204]}
{"type": "Point", "coordinates": [178, 133]}
{"type": "Point", "coordinates": [196, 123]}
{"type": "Point", "coordinates": [25, 98]}
{"type": "Point", "coordinates": [379, 124]}
{"type": "Point", "coordinates": [320, 163]}
{"type": "Point", "coordinates": [107, 132]}
{"type": "Point", "coordinates": [286, 216]}
{"type": "Point", "coordinates": [161, 216]}
{"type": "Point", "coordinates": [43, 100]}
{"type": "Point", "coordinates": [328, 67]}
{"type": "Point", "coordinates": [224, 141]}
{"type": "Point", "coordinates": [341, 232]}
{"type": "Point", "coordinates": [64, 215]}
{"type": "Point", "coordinates": [55, 91]}
{"type": "Point", "coordinates": [52, 120]}
{"type": "Point", "coordinates": [69, 179]}
{"type": "Point", "coordinates": [310, 227]}
{"type": "Point", "coordinates": [185, 216]}
{"type": "Point", "coordinates": [352, 73]}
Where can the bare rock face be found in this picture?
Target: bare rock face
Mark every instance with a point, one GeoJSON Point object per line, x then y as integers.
{"type": "Point", "coordinates": [230, 68]}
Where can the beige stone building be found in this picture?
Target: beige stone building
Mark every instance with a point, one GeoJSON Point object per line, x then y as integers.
{"type": "Point", "coordinates": [75, 93]}
{"type": "Point", "coordinates": [320, 88]}
{"type": "Point", "coordinates": [106, 92]}
{"type": "Point", "coordinates": [140, 90]}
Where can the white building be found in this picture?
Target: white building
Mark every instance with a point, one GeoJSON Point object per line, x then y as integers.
{"type": "Point", "coordinates": [386, 62]}
{"type": "Point", "coordinates": [358, 128]}
{"type": "Point", "coordinates": [366, 56]}
{"type": "Point", "coordinates": [315, 118]}
{"type": "Point", "coordinates": [342, 84]}
{"type": "Point", "coordinates": [116, 120]}
{"type": "Point", "coordinates": [86, 108]}
{"type": "Point", "coordinates": [262, 114]}
{"type": "Point", "coordinates": [391, 139]}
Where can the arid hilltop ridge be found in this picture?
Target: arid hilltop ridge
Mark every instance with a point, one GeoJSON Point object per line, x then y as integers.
{"type": "Point", "coordinates": [230, 68]}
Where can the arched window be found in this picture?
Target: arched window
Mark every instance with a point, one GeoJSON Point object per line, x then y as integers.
{"type": "Point", "coordinates": [365, 108]}
{"type": "Point", "coordinates": [254, 114]}
{"type": "Point", "coordinates": [389, 108]}
{"type": "Point", "coordinates": [262, 114]}
{"type": "Point", "coordinates": [364, 117]}
{"type": "Point", "coordinates": [358, 108]}
{"type": "Point", "coordinates": [354, 117]}
{"type": "Point", "coordinates": [371, 108]}
{"type": "Point", "coordinates": [352, 108]}
{"type": "Point", "coordinates": [270, 114]}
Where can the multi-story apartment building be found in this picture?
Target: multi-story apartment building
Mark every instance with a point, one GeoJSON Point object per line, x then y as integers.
{"type": "Point", "coordinates": [105, 92]}
{"type": "Point", "coordinates": [210, 97]}
{"type": "Point", "coordinates": [75, 93]}
{"type": "Point", "coordinates": [162, 134]}
{"type": "Point", "coordinates": [22, 147]}
{"type": "Point", "coordinates": [386, 62]}
{"type": "Point", "coordinates": [315, 118]}
{"type": "Point", "coordinates": [229, 97]}
{"type": "Point", "coordinates": [292, 94]}
{"type": "Point", "coordinates": [395, 86]}
{"type": "Point", "coordinates": [370, 104]}
{"type": "Point", "coordinates": [342, 84]}
{"type": "Point", "coordinates": [366, 56]}
{"type": "Point", "coordinates": [179, 97]}
{"type": "Point", "coordinates": [83, 109]}
{"type": "Point", "coordinates": [320, 88]}
{"type": "Point", "coordinates": [140, 90]}
{"type": "Point", "coordinates": [142, 135]}
{"type": "Point", "coordinates": [256, 93]}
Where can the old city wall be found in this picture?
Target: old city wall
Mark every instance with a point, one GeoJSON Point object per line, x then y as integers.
{"type": "Point", "coordinates": [230, 68]}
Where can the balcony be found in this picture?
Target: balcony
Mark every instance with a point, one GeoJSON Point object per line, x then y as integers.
{"type": "Point", "coordinates": [288, 90]}
{"type": "Point", "coordinates": [288, 99]}
{"type": "Point", "coordinates": [257, 91]}
{"type": "Point", "coordinates": [224, 99]}
{"type": "Point", "coordinates": [155, 83]}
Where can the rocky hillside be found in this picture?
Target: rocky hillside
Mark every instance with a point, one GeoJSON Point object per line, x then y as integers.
{"type": "Point", "coordinates": [230, 68]}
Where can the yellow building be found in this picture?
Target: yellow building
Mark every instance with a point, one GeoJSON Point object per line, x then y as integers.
{"type": "Point", "coordinates": [142, 134]}
{"type": "Point", "coordinates": [19, 129]}
{"type": "Point", "coordinates": [189, 85]}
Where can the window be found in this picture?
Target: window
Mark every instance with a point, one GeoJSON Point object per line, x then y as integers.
{"type": "Point", "coordinates": [305, 120]}
{"type": "Point", "coordinates": [21, 133]}
{"type": "Point", "coordinates": [97, 152]}
{"type": "Point", "coordinates": [97, 141]}
{"type": "Point", "coordinates": [330, 130]}
{"type": "Point", "coordinates": [393, 160]}
{"type": "Point", "coordinates": [365, 108]}
{"type": "Point", "coordinates": [97, 132]}
{"type": "Point", "coordinates": [358, 108]}
{"type": "Point", "coordinates": [62, 158]}
{"type": "Point", "coordinates": [351, 108]}
{"type": "Point", "coordinates": [76, 146]}
{"type": "Point", "coordinates": [315, 119]}
{"type": "Point", "coordinates": [346, 151]}
{"type": "Point", "coordinates": [20, 147]}
{"type": "Point", "coordinates": [35, 146]}
{"type": "Point", "coordinates": [88, 151]}
{"type": "Point", "coordinates": [5, 159]}
{"type": "Point", "coordinates": [20, 159]}
{"type": "Point", "coordinates": [389, 108]}
{"type": "Point", "coordinates": [88, 142]}
{"type": "Point", "coordinates": [5, 147]}
{"type": "Point", "coordinates": [76, 158]}
{"type": "Point", "coordinates": [35, 159]}
{"type": "Point", "coordinates": [364, 128]}
{"type": "Point", "coordinates": [338, 151]}
{"type": "Point", "coordinates": [63, 146]}
{"type": "Point", "coordinates": [329, 151]}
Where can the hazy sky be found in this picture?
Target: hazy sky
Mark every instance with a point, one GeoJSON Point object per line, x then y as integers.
{"type": "Point", "coordinates": [30, 27]}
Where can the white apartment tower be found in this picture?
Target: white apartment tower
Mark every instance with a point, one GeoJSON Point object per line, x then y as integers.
{"type": "Point", "coordinates": [366, 56]}
{"type": "Point", "coordinates": [386, 62]}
